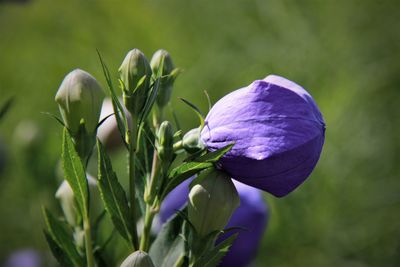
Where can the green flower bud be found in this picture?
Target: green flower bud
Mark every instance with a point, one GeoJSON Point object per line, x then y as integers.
{"type": "Point", "coordinates": [164, 94]}
{"type": "Point", "coordinates": [135, 73]}
{"type": "Point", "coordinates": [192, 142]}
{"type": "Point", "coordinates": [212, 202]}
{"type": "Point", "coordinates": [165, 142]}
{"type": "Point", "coordinates": [80, 98]}
{"type": "Point", "coordinates": [65, 196]}
{"type": "Point", "coordinates": [138, 259]}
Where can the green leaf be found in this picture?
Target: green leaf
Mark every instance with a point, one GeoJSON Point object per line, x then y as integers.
{"type": "Point", "coordinates": [55, 117]}
{"type": "Point", "coordinates": [208, 100]}
{"type": "Point", "coordinates": [57, 251]}
{"type": "Point", "coordinates": [62, 238]}
{"type": "Point", "coordinates": [75, 173]}
{"type": "Point", "coordinates": [181, 173]}
{"type": "Point", "coordinates": [6, 107]}
{"type": "Point", "coordinates": [113, 196]}
{"type": "Point", "coordinates": [168, 249]}
{"type": "Point", "coordinates": [196, 110]}
{"type": "Point", "coordinates": [143, 162]}
{"type": "Point", "coordinates": [214, 257]}
{"type": "Point", "coordinates": [188, 169]}
{"type": "Point", "coordinates": [215, 155]}
{"type": "Point", "coordinates": [151, 98]}
{"type": "Point", "coordinates": [117, 107]}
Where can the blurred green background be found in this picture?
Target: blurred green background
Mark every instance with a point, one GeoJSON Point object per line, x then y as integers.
{"type": "Point", "coordinates": [345, 52]}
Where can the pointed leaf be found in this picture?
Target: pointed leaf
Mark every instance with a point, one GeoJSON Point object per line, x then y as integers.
{"type": "Point", "coordinates": [118, 109]}
{"type": "Point", "coordinates": [113, 196]}
{"type": "Point", "coordinates": [6, 107]}
{"type": "Point", "coordinates": [215, 155]}
{"type": "Point", "coordinates": [181, 173]}
{"type": "Point", "coordinates": [151, 98]}
{"type": "Point", "coordinates": [75, 173]}
{"type": "Point", "coordinates": [57, 251]}
{"type": "Point", "coordinates": [62, 237]}
{"type": "Point", "coordinates": [168, 249]}
{"type": "Point", "coordinates": [196, 110]}
{"type": "Point", "coordinates": [214, 257]}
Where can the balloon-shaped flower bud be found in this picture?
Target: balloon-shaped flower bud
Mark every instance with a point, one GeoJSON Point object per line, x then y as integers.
{"type": "Point", "coordinates": [138, 259]}
{"type": "Point", "coordinates": [252, 215]}
{"type": "Point", "coordinates": [108, 132]}
{"type": "Point", "coordinates": [212, 202]}
{"type": "Point", "coordinates": [162, 57]}
{"type": "Point", "coordinates": [165, 142]}
{"type": "Point", "coordinates": [66, 197]}
{"type": "Point", "coordinates": [278, 132]}
{"type": "Point", "coordinates": [135, 73]}
{"type": "Point", "coordinates": [80, 98]}
{"type": "Point", "coordinates": [192, 142]}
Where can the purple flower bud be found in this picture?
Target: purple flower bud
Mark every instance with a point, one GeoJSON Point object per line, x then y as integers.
{"type": "Point", "coordinates": [252, 214]}
{"type": "Point", "coordinates": [278, 133]}
{"type": "Point", "coordinates": [23, 258]}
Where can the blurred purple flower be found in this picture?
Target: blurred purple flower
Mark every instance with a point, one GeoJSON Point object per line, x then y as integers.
{"type": "Point", "coordinates": [24, 258]}
{"type": "Point", "coordinates": [251, 215]}
{"type": "Point", "coordinates": [278, 133]}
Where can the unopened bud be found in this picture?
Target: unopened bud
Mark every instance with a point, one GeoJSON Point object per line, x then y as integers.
{"type": "Point", "coordinates": [68, 204]}
{"type": "Point", "coordinates": [135, 73]}
{"type": "Point", "coordinates": [138, 259]}
{"type": "Point", "coordinates": [165, 142]}
{"type": "Point", "coordinates": [163, 57]}
{"type": "Point", "coordinates": [192, 142]}
{"type": "Point", "coordinates": [79, 99]}
{"type": "Point", "coordinates": [212, 202]}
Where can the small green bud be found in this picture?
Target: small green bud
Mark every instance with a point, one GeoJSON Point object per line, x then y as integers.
{"type": "Point", "coordinates": [80, 98]}
{"type": "Point", "coordinates": [135, 73]}
{"type": "Point", "coordinates": [212, 202]}
{"type": "Point", "coordinates": [138, 259]}
{"type": "Point", "coordinates": [165, 90]}
{"type": "Point", "coordinates": [165, 142]}
{"type": "Point", "coordinates": [65, 196]}
{"type": "Point", "coordinates": [192, 142]}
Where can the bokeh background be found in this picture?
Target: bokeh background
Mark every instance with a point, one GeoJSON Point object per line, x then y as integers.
{"type": "Point", "coordinates": [345, 52]}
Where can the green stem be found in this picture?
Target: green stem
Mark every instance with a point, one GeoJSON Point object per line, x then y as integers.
{"type": "Point", "coordinates": [148, 221]}
{"type": "Point", "coordinates": [132, 160]}
{"type": "Point", "coordinates": [88, 242]}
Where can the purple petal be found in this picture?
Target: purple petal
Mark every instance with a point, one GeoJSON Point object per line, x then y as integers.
{"type": "Point", "coordinates": [278, 133]}
{"type": "Point", "coordinates": [23, 258]}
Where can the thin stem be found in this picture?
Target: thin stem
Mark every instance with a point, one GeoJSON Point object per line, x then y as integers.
{"type": "Point", "coordinates": [88, 242]}
{"type": "Point", "coordinates": [148, 221]}
{"type": "Point", "coordinates": [132, 136]}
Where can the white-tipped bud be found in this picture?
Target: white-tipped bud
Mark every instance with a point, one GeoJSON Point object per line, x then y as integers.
{"type": "Point", "coordinates": [79, 98]}
{"type": "Point", "coordinates": [135, 73]}
{"type": "Point", "coordinates": [212, 201]}
{"type": "Point", "coordinates": [163, 57]}
{"type": "Point", "coordinates": [66, 197]}
{"type": "Point", "coordinates": [138, 259]}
